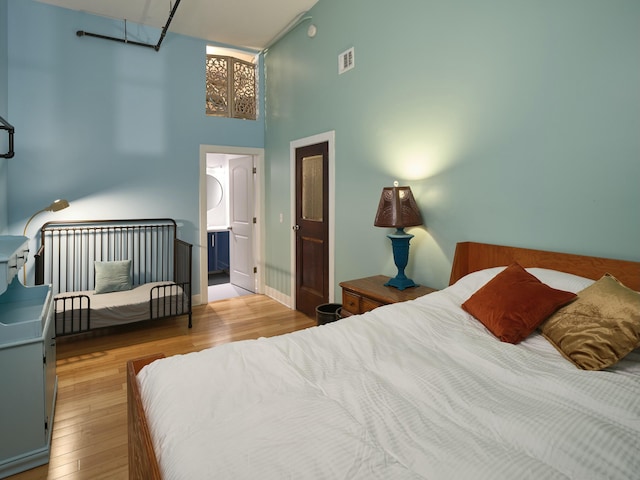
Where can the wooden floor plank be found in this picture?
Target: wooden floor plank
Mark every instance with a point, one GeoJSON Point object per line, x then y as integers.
{"type": "Point", "coordinates": [90, 425]}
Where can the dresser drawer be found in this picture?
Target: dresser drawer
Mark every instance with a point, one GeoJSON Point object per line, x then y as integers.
{"type": "Point", "coordinates": [13, 255]}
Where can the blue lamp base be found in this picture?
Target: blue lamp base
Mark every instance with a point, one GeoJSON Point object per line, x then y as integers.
{"type": "Point", "coordinates": [400, 244]}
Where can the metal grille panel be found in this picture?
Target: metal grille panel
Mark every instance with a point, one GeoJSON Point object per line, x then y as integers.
{"type": "Point", "coordinates": [217, 85]}
{"type": "Point", "coordinates": [231, 87]}
{"type": "Point", "coordinates": [244, 90]}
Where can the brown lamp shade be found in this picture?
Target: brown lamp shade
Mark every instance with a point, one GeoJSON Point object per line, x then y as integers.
{"type": "Point", "coordinates": [397, 208]}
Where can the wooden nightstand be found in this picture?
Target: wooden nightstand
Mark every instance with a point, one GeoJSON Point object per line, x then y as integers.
{"type": "Point", "coordinates": [364, 294]}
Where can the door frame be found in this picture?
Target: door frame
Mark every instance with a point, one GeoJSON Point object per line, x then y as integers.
{"type": "Point", "coordinates": [328, 137]}
{"type": "Point", "coordinates": [258, 212]}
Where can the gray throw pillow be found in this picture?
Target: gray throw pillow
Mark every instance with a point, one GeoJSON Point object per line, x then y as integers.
{"type": "Point", "coordinates": [113, 276]}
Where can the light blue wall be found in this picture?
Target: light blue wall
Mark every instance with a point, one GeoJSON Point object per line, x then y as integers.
{"type": "Point", "coordinates": [514, 122]}
{"type": "Point", "coordinates": [4, 78]}
{"type": "Point", "coordinates": [113, 128]}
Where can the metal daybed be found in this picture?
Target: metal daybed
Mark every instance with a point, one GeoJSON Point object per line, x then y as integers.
{"type": "Point", "coordinates": [153, 263]}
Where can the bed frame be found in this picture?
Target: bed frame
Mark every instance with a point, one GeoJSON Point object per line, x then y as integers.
{"type": "Point", "coordinates": [68, 250]}
{"type": "Point", "coordinates": [469, 257]}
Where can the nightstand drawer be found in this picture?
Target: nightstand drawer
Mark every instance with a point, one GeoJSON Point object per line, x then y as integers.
{"type": "Point", "coordinates": [365, 294]}
{"type": "Point", "coordinates": [351, 302]}
{"type": "Point", "coordinates": [367, 304]}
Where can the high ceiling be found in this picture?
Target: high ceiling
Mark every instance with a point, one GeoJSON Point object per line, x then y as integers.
{"type": "Point", "coordinates": [242, 23]}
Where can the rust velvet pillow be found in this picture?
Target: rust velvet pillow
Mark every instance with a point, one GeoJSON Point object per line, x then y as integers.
{"type": "Point", "coordinates": [600, 328]}
{"type": "Point", "coordinates": [514, 303]}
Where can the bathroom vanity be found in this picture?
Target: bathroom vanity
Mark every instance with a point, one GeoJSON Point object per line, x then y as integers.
{"type": "Point", "coordinates": [218, 250]}
{"type": "Point", "coordinates": [28, 382]}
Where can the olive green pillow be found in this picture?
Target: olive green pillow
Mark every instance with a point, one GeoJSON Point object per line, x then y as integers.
{"type": "Point", "coordinates": [599, 328]}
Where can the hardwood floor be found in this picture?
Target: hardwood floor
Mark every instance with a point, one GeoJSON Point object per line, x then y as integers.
{"type": "Point", "coordinates": [90, 425]}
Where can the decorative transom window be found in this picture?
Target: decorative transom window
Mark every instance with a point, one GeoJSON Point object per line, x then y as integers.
{"type": "Point", "coordinates": [231, 87]}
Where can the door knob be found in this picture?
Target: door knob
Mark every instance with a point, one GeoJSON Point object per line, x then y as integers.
{"type": "Point", "coordinates": [296, 227]}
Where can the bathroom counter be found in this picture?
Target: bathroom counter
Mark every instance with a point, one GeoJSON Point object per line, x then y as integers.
{"type": "Point", "coordinates": [217, 228]}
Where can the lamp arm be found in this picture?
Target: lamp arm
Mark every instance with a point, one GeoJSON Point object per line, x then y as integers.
{"type": "Point", "coordinates": [24, 233]}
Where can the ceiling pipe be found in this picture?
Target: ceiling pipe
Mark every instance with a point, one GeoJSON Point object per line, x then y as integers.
{"type": "Point", "coordinates": [290, 26]}
{"type": "Point", "coordinates": [156, 47]}
{"type": "Point", "coordinates": [166, 26]}
{"type": "Point", "coordinates": [82, 33]}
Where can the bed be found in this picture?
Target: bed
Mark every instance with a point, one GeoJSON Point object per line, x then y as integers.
{"type": "Point", "coordinates": [419, 389]}
{"type": "Point", "coordinates": [112, 272]}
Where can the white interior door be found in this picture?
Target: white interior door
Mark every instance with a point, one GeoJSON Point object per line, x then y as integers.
{"type": "Point", "coordinates": [241, 214]}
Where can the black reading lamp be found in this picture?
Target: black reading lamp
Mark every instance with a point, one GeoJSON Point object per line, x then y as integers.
{"type": "Point", "coordinates": [398, 209]}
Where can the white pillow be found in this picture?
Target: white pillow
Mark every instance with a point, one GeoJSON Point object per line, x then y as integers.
{"type": "Point", "coordinates": [470, 283]}
{"type": "Point", "coordinates": [560, 280]}
{"type": "Point", "coordinates": [467, 285]}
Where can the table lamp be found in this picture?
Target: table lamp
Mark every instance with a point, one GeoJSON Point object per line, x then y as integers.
{"type": "Point", "coordinates": [398, 209]}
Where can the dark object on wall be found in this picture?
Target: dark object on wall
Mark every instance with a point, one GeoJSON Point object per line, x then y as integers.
{"type": "Point", "coordinates": [327, 313]}
{"type": "Point", "coordinates": [4, 125]}
{"type": "Point", "coordinates": [156, 47]}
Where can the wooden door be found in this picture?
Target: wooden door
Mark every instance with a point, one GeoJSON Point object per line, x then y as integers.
{"type": "Point", "coordinates": [312, 227]}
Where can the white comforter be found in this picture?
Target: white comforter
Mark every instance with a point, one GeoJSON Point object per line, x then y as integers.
{"type": "Point", "coordinates": [413, 390]}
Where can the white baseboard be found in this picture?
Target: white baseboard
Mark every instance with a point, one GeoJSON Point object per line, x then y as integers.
{"type": "Point", "coordinates": [278, 296]}
{"type": "Point", "coordinates": [268, 291]}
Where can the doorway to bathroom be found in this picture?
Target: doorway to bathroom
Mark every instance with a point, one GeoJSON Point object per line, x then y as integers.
{"type": "Point", "coordinates": [231, 189]}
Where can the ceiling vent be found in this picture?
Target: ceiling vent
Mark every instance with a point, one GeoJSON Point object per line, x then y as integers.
{"type": "Point", "coordinates": [346, 60]}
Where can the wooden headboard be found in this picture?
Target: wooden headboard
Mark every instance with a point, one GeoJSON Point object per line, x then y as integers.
{"type": "Point", "coordinates": [472, 256]}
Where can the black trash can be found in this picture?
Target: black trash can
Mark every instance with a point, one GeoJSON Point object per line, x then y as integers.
{"type": "Point", "coordinates": [327, 312]}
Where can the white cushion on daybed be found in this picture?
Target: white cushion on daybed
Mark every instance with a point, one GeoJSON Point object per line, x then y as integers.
{"type": "Point", "coordinates": [117, 308]}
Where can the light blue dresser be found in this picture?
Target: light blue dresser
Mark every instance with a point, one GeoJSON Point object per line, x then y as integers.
{"type": "Point", "coordinates": [28, 380]}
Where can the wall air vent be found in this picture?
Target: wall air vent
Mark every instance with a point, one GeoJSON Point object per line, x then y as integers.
{"type": "Point", "coordinates": [346, 60]}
